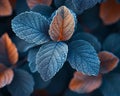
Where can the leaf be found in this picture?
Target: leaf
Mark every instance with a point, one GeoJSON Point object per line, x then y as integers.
{"type": "Point", "coordinates": [111, 44]}
{"type": "Point", "coordinates": [32, 3]}
{"type": "Point", "coordinates": [22, 84]}
{"type": "Point", "coordinates": [109, 12]}
{"type": "Point", "coordinates": [62, 25]}
{"type": "Point", "coordinates": [81, 83]}
{"type": "Point", "coordinates": [22, 45]}
{"type": "Point", "coordinates": [43, 9]}
{"type": "Point", "coordinates": [32, 58]}
{"type": "Point", "coordinates": [50, 58]}
{"type": "Point", "coordinates": [6, 75]}
{"type": "Point", "coordinates": [88, 37]}
{"type": "Point", "coordinates": [8, 50]}
{"type": "Point", "coordinates": [5, 8]}
{"type": "Point", "coordinates": [31, 27]}
{"type": "Point", "coordinates": [83, 57]}
{"type": "Point", "coordinates": [78, 6]}
{"type": "Point", "coordinates": [108, 61]}
{"type": "Point", "coordinates": [110, 86]}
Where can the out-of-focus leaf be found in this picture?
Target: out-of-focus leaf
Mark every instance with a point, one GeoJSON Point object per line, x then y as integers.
{"type": "Point", "coordinates": [32, 59]}
{"type": "Point", "coordinates": [39, 83]}
{"type": "Point", "coordinates": [6, 76]}
{"type": "Point", "coordinates": [31, 27]}
{"type": "Point", "coordinates": [109, 12]}
{"type": "Point", "coordinates": [112, 44]}
{"type": "Point", "coordinates": [22, 45]}
{"type": "Point", "coordinates": [111, 85]}
{"type": "Point", "coordinates": [85, 84]}
{"type": "Point", "coordinates": [62, 25]}
{"type": "Point", "coordinates": [83, 57]}
{"type": "Point", "coordinates": [5, 8]}
{"type": "Point", "coordinates": [43, 9]}
{"type": "Point", "coordinates": [108, 61]}
{"type": "Point", "coordinates": [88, 37]}
{"type": "Point", "coordinates": [32, 3]}
{"type": "Point", "coordinates": [8, 50]}
{"type": "Point", "coordinates": [50, 58]}
{"type": "Point", "coordinates": [22, 84]}
{"type": "Point", "coordinates": [59, 3]}
{"type": "Point", "coordinates": [79, 6]}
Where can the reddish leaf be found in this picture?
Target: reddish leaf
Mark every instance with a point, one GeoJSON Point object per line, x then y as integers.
{"type": "Point", "coordinates": [85, 84]}
{"type": "Point", "coordinates": [5, 8]}
{"type": "Point", "coordinates": [108, 61]}
{"type": "Point", "coordinates": [32, 3]}
{"type": "Point", "coordinates": [109, 11]}
{"type": "Point", "coordinates": [6, 76]}
{"type": "Point", "coordinates": [8, 50]}
{"type": "Point", "coordinates": [62, 26]}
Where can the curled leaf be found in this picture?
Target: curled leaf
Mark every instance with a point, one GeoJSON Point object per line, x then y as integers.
{"type": "Point", "coordinates": [5, 8]}
{"type": "Point", "coordinates": [8, 50]}
{"type": "Point", "coordinates": [6, 76]}
{"type": "Point", "coordinates": [62, 25]}
{"type": "Point", "coordinates": [85, 84]}
{"type": "Point", "coordinates": [32, 3]}
{"type": "Point", "coordinates": [109, 11]}
{"type": "Point", "coordinates": [108, 61]}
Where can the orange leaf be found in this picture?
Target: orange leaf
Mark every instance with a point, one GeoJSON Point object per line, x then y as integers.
{"type": "Point", "coordinates": [10, 51]}
{"type": "Point", "coordinates": [32, 3]}
{"type": "Point", "coordinates": [109, 12]}
{"type": "Point", "coordinates": [108, 61]}
{"type": "Point", "coordinates": [62, 25]}
{"type": "Point", "coordinates": [5, 8]}
{"type": "Point", "coordinates": [6, 76]}
{"type": "Point", "coordinates": [84, 84]}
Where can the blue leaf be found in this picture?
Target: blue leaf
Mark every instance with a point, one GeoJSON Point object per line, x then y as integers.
{"type": "Point", "coordinates": [32, 58]}
{"type": "Point", "coordinates": [22, 84]}
{"type": "Point", "coordinates": [50, 58]}
{"type": "Point", "coordinates": [111, 85]}
{"type": "Point", "coordinates": [88, 37]}
{"type": "Point", "coordinates": [79, 6]}
{"type": "Point", "coordinates": [83, 57]}
{"type": "Point", "coordinates": [31, 27]}
{"type": "Point", "coordinates": [22, 45]}
{"type": "Point", "coordinates": [112, 44]}
{"type": "Point", "coordinates": [43, 9]}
